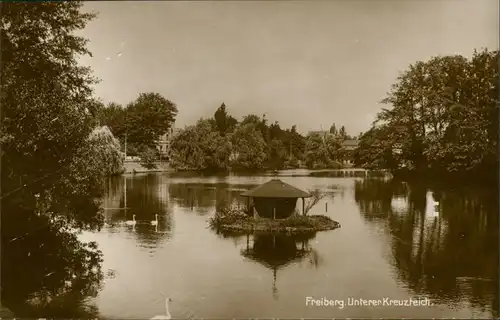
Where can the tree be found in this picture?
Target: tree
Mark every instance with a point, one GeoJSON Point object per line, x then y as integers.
{"type": "Point", "coordinates": [108, 148]}
{"type": "Point", "coordinates": [249, 148]}
{"type": "Point", "coordinates": [200, 147]}
{"type": "Point", "coordinates": [322, 151]}
{"type": "Point", "coordinates": [342, 133]}
{"type": "Point", "coordinates": [276, 156]}
{"type": "Point", "coordinates": [53, 164]}
{"type": "Point", "coordinates": [185, 153]}
{"type": "Point", "coordinates": [148, 158]}
{"type": "Point", "coordinates": [223, 121]}
{"type": "Point", "coordinates": [298, 144]}
{"type": "Point", "coordinates": [333, 130]}
{"type": "Point", "coordinates": [260, 124]}
{"type": "Point", "coordinates": [114, 116]}
{"type": "Point", "coordinates": [316, 196]}
{"type": "Point", "coordinates": [148, 117]}
{"type": "Point", "coordinates": [443, 117]}
{"type": "Point", "coordinates": [375, 151]}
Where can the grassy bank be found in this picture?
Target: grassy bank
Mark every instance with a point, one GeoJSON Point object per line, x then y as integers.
{"type": "Point", "coordinates": [136, 167]}
{"type": "Point", "coordinates": [231, 220]}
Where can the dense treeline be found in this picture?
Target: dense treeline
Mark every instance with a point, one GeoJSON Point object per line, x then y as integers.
{"type": "Point", "coordinates": [223, 143]}
{"type": "Point", "coordinates": [443, 120]}
{"type": "Point", "coordinates": [141, 122]}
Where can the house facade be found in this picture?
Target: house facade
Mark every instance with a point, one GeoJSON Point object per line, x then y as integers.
{"type": "Point", "coordinates": [163, 142]}
{"type": "Point", "coordinates": [349, 146]}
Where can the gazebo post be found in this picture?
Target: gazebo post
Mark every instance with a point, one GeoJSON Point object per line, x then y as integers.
{"type": "Point", "coordinates": [303, 207]}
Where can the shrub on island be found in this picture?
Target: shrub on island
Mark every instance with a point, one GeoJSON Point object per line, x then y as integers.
{"type": "Point", "coordinates": [230, 219]}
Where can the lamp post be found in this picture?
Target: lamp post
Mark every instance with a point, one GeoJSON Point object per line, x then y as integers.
{"type": "Point", "coordinates": [125, 146]}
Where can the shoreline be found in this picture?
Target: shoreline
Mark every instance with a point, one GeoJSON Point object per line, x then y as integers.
{"type": "Point", "coordinates": [237, 221]}
{"type": "Point", "coordinates": [134, 166]}
{"type": "Point", "coordinates": [131, 167]}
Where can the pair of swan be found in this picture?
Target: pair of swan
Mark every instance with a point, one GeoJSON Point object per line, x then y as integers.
{"type": "Point", "coordinates": [133, 222]}
{"type": "Point", "coordinates": [167, 315]}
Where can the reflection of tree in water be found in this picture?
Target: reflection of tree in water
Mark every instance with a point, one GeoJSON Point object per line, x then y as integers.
{"type": "Point", "coordinates": [374, 196]}
{"type": "Point", "coordinates": [145, 196]}
{"type": "Point", "coordinates": [451, 257]}
{"type": "Point", "coordinates": [58, 272]}
{"type": "Point", "coordinates": [276, 251]}
{"type": "Point", "coordinates": [203, 197]}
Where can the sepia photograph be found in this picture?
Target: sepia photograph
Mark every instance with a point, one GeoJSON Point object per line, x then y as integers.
{"type": "Point", "coordinates": [249, 159]}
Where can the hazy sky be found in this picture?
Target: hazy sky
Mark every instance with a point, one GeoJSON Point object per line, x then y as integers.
{"type": "Point", "coordinates": [306, 63]}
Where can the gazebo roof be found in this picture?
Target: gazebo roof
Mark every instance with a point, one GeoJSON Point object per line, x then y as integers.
{"type": "Point", "coordinates": [275, 188]}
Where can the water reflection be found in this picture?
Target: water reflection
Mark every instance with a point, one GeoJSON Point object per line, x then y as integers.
{"type": "Point", "coordinates": [60, 274]}
{"type": "Point", "coordinates": [143, 196]}
{"type": "Point", "coordinates": [450, 253]}
{"type": "Point", "coordinates": [202, 197]}
{"type": "Point", "coordinates": [277, 251]}
{"type": "Point", "coordinates": [388, 247]}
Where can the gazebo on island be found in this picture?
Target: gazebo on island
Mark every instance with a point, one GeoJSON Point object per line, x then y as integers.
{"type": "Point", "coordinates": [275, 199]}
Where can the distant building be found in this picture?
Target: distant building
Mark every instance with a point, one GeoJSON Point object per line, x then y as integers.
{"type": "Point", "coordinates": [163, 143]}
{"type": "Point", "coordinates": [349, 146]}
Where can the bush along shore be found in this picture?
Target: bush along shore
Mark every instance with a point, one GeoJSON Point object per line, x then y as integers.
{"type": "Point", "coordinates": [233, 220]}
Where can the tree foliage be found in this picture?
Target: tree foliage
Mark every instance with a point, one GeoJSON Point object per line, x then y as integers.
{"type": "Point", "coordinates": [322, 151]}
{"type": "Point", "coordinates": [52, 161]}
{"type": "Point", "coordinates": [200, 147]}
{"type": "Point", "coordinates": [148, 158]}
{"type": "Point", "coordinates": [221, 143]}
{"type": "Point", "coordinates": [249, 151]}
{"type": "Point", "coordinates": [223, 121]}
{"type": "Point", "coordinates": [443, 118]}
{"type": "Point", "coordinates": [141, 122]}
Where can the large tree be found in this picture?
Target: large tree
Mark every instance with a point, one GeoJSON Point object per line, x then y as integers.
{"type": "Point", "coordinates": [224, 122]}
{"type": "Point", "coordinates": [200, 147]}
{"type": "Point", "coordinates": [322, 151]}
{"type": "Point", "coordinates": [148, 117]}
{"type": "Point", "coordinates": [51, 164]}
{"type": "Point", "coordinates": [114, 116]}
{"type": "Point", "coordinates": [249, 148]}
{"type": "Point", "coordinates": [443, 115]}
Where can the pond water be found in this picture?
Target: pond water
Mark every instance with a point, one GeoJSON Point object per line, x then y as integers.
{"type": "Point", "coordinates": [390, 246]}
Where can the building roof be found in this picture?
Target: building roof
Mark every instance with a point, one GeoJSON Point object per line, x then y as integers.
{"type": "Point", "coordinates": [351, 143]}
{"type": "Point", "coordinates": [275, 188]}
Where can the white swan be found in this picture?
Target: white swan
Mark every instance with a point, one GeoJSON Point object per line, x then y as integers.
{"type": "Point", "coordinates": [155, 221]}
{"type": "Point", "coordinates": [167, 315]}
{"type": "Point", "coordinates": [131, 222]}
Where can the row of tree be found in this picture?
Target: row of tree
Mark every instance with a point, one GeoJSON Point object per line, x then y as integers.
{"type": "Point", "coordinates": [140, 123]}
{"type": "Point", "coordinates": [219, 143]}
{"type": "Point", "coordinates": [443, 119]}
{"type": "Point", "coordinates": [222, 142]}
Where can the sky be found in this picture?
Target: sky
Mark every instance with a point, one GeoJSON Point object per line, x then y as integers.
{"type": "Point", "coordinates": [304, 63]}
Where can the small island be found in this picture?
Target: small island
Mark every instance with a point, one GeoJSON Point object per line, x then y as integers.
{"type": "Point", "coordinates": [273, 209]}
{"type": "Point", "coordinates": [234, 220]}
